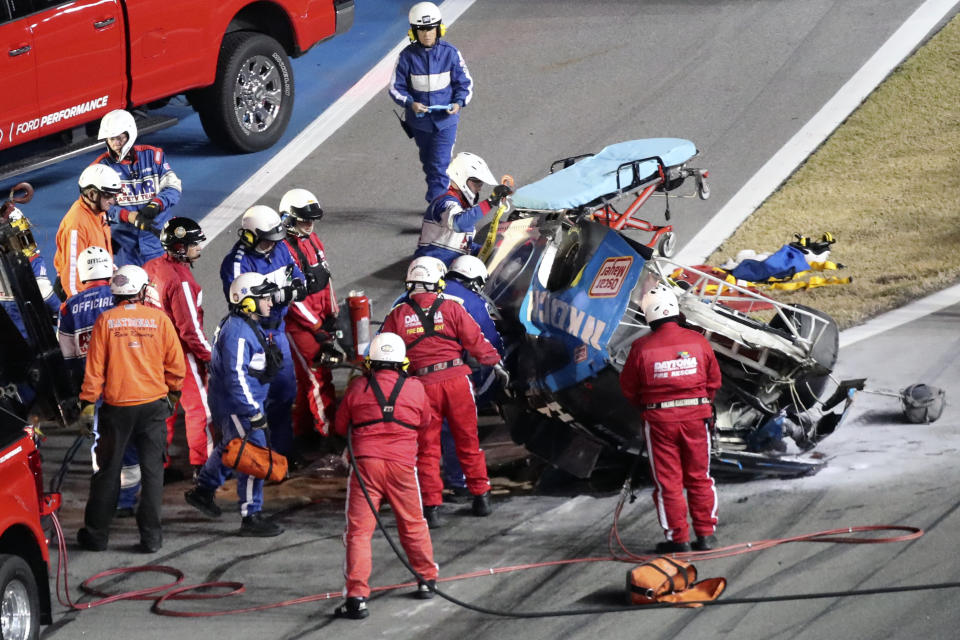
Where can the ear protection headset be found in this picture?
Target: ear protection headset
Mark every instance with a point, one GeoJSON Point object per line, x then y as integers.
{"type": "Point", "coordinates": [248, 238]}
{"type": "Point", "coordinates": [368, 363]}
{"type": "Point", "coordinates": [441, 283]}
{"type": "Point", "coordinates": [441, 31]}
{"type": "Point", "coordinates": [248, 303]}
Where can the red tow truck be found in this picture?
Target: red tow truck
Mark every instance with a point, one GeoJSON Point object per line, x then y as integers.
{"type": "Point", "coordinates": [24, 553]}
{"type": "Point", "coordinates": [67, 63]}
{"type": "Point", "coordinates": [33, 387]}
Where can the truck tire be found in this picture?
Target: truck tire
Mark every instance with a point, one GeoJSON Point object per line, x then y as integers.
{"type": "Point", "coordinates": [19, 600]}
{"type": "Point", "coordinates": [249, 104]}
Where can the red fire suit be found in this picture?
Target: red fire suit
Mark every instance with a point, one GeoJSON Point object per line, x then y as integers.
{"type": "Point", "coordinates": [386, 453]}
{"type": "Point", "coordinates": [316, 396]}
{"type": "Point", "coordinates": [673, 364]}
{"type": "Point", "coordinates": [180, 296]}
{"type": "Point", "coordinates": [438, 361]}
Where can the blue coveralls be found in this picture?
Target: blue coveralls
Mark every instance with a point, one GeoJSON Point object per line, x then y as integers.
{"type": "Point", "coordinates": [146, 177]}
{"type": "Point", "coordinates": [237, 393]}
{"type": "Point", "coordinates": [283, 389]}
{"type": "Point", "coordinates": [447, 230]}
{"type": "Point", "coordinates": [434, 76]}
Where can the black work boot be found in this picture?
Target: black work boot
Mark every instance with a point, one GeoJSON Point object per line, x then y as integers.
{"type": "Point", "coordinates": [203, 500]}
{"type": "Point", "coordinates": [256, 526]}
{"type": "Point", "coordinates": [86, 540]}
{"type": "Point", "coordinates": [481, 505]}
{"type": "Point", "coordinates": [432, 514]}
{"type": "Point", "coordinates": [672, 547]}
{"type": "Point", "coordinates": [425, 590]}
{"type": "Point", "coordinates": [353, 609]}
{"type": "Point", "coordinates": [705, 543]}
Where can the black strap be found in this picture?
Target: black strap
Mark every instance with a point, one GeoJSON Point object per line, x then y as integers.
{"type": "Point", "coordinates": [271, 351]}
{"type": "Point", "coordinates": [243, 445]}
{"type": "Point", "coordinates": [387, 405]}
{"type": "Point", "coordinates": [427, 322]}
{"type": "Point", "coordinates": [320, 275]}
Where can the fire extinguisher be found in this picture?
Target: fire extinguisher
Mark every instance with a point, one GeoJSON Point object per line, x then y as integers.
{"type": "Point", "coordinates": [359, 305]}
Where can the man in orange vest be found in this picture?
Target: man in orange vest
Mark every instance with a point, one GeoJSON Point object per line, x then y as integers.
{"type": "Point", "coordinates": [135, 364]}
{"type": "Point", "coordinates": [85, 225]}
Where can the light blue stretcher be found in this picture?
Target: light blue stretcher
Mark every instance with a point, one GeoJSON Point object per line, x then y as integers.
{"type": "Point", "coordinates": [597, 176]}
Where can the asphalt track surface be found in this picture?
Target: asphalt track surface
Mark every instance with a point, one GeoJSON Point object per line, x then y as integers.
{"type": "Point", "coordinates": [557, 79]}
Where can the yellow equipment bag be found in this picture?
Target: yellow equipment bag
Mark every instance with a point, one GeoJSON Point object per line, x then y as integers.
{"type": "Point", "coordinates": [253, 460]}
{"type": "Point", "coordinates": [665, 579]}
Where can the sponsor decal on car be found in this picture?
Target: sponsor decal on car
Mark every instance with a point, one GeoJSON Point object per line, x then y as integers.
{"type": "Point", "coordinates": [610, 277]}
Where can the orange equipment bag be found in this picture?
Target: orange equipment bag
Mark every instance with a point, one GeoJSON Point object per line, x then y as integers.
{"type": "Point", "coordinates": [665, 579]}
{"type": "Point", "coordinates": [254, 460]}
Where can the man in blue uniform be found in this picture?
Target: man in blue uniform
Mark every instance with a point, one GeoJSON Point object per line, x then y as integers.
{"type": "Point", "coordinates": [432, 83]}
{"type": "Point", "coordinates": [261, 250]}
{"type": "Point", "coordinates": [450, 221]}
{"type": "Point", "coordinates": [244, 361]}
{"type": "Point", "coordinates": [149, 192]}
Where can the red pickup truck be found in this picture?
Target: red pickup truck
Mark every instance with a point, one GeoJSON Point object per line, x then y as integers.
{"type": "Point", "coordinates": [69, 63]}
{"type": "Point", "coordinates": [24, 555]}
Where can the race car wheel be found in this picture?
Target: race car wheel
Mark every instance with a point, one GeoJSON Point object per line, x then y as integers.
{"type": "Point", "coordinates": [667, 244]}
{"type": "Point", "coordinates": [249, 104]}
{"type": "Point", "coordinates": [19, 600]}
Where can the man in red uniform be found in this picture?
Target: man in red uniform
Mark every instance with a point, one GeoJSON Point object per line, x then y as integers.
{"type": "Point", "coordinates": [311, 323]}
{"type": "Point", "coordinates": [383, 412]}
{"type": "Point", "coordinates": [436, 331]}
{"type": "Point", "coordinates": [672, 375]}
{"type": "Point", "coordinates": [180, 296]}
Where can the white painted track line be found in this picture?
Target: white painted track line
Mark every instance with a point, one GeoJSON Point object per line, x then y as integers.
{"type": "Point", "coordinates": [372, 84]}
{"type": "Point", "coordinates": [783, 163]}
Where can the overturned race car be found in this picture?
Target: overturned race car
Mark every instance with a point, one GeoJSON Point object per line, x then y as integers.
{"type": "Point", "coordinates": [566, 278]}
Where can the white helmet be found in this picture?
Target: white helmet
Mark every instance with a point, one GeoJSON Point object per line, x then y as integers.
{"type": "Point", "coordinates": [426, 272]}
{"type": "Point", "coordinates": [129, 280]}
{"type": "Point", "coordinates": [249, 286]}
{"type": "Point", "coordinates": [471, 270]}
{"type": "Point", "coordinates": [659, 303]}
{"type": "Point", "coordinates": [115, 123]}
{"type": "Point", "coordinates": [95, 263]}
{"type": "Point", "coordinates": [103, 178]}
{"type": "Point", "coordinates": [300, 204]}
{"type": "Point", "coordinates": [424, 14]}
{"type": "Point", "coordinates": [387, 347]}
{"type": "Point", "coordinates": [467, 165]}
{"type": "Point", "coordinates": [260, 222]}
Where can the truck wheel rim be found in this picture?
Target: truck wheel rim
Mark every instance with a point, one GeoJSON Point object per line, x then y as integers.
{"type": "Point", "coordinates": [15, 615]}
{"type": "Point", "coordinates": [257, 94]}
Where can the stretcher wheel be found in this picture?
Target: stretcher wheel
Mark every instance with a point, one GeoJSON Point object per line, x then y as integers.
{"type": "Point", "coordinates": [667, 245]}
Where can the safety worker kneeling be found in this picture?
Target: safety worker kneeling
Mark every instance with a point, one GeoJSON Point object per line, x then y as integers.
{"type": "Point", "coordinates": [450, 221]}
{"type": "Point", "coordinates": [672, 375]}
{"type": "Point", "coordinates": [135, 364]}
{"type": "Point", "coordinates": [436, 331]}
{"type": "Point", "coordinates": [245, 360]}
{"type": "Point", "coordinates": [384, 411]}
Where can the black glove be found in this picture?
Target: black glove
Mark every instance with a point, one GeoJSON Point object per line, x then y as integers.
{"type": "Point", "coordinates": [258, 422]}
{"type": "Point", "coordinates": [500, 192]}
{"type": "Point", "coordinates": [298, 290]}
{"type": "Point", "coordinates": [330, 354]}
{"type": "Point", "coordinates": [173, 398]}
{"type": "Point", "coordinates": [147, 215]}
{"type": "Point", "coordinates": [502, 375]}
